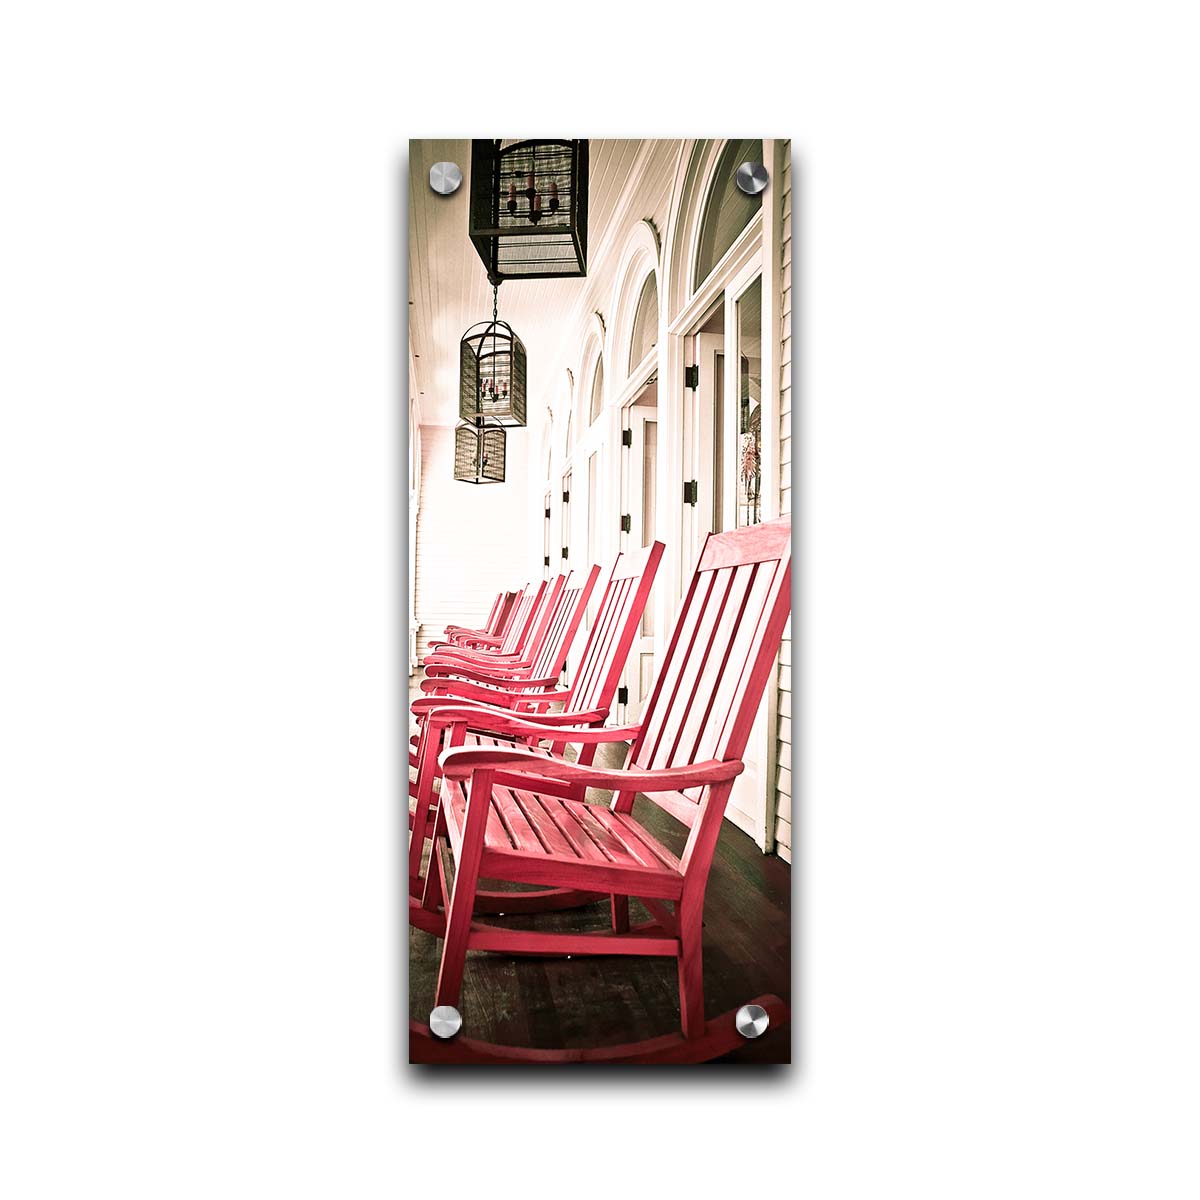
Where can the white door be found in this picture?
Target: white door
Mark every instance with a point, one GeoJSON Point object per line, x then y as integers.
{"type": "Point", "coordinates": [638, 511]}
{"type": "Point", "coordinates": [718, 432]}
{"type": "Point", "coordinates": [752, 800]}
{"type": "Point", "coordinates": [563, 553]}
{"type": "Point", "coordinates": [703, 450]}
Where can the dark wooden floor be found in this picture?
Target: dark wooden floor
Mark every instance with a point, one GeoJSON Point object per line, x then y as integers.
{"type": "Point", "coordinates": [548, 1002]}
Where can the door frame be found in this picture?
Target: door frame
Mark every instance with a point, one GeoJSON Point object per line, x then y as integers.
{"type": "Point", "coordinates": [756, 251]}
{"type": "Point", "coordinates": [630, 487]}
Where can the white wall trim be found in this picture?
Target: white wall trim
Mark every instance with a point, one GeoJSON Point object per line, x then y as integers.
{"type": "Point", "coordinates": [639, 259]}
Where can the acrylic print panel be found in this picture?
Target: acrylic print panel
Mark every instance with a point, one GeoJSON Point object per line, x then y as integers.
{"type": "Point", "coordinates": [599, 370]}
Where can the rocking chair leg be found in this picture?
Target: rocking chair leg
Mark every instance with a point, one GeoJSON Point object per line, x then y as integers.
{"type": "Point", "coordinates": [620, 913]}
{"type": "Point", "coordinates": [427, 756]}
{"type": "Point", "coordinates": [431, 895]}
{"type": "Point", "coordinates": [454, 948]}
{"type": "Point", "coordinates": [691, 969]}
{"type": "Point", "coordinates": [462, 900]}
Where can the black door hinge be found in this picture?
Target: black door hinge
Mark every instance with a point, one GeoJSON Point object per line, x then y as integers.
{"type": "Point", "coordinates": [691, 377]}
{"type": "Point", "coordinates": [626, 437]}
{"type": "Point", "coordinates": [626, 522]}
{"type": "Point", "coordinates": [691, 491]}
{"type": "Point", "coordinates": [622, 695]}
{"type": "Point", "coordinates": [565, 554]}
{"type": "Point", "coordinates": [546, 561]}
{"type": "Point", "coordinates": [566, 497]}
{"type": "Point", "coordinates": [547, 514]}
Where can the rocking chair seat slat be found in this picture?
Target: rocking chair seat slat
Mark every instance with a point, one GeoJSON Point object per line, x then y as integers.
{"type": "Point", "coordinates": [551, 837]}
{"type": "Point", "coordinates": [537, 838]}
{"type": "Point", "coordinates": [516, 825]}
{"type": "Point", "coordinates": [575, 834]}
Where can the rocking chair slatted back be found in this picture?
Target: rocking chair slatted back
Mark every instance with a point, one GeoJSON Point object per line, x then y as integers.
{"type": "Point", "coordinates": [715, 670]}
{"type": "Point", "coordinates": [497, 622]}
{"type": "Point", "coordinates": [543, 616]}
{"type": "Point", "coordinates": [493, 617]}
{"type": "Point", "coordinates": [614, 629]}
{"type": "Point", "coordinates": [524, 617]}
{"type": "Point", "coordinates": [571, 600]}
{"type": "Point", "coordinates": [507, 611]}
{"type": "Point", "coordinates": [612, 633]}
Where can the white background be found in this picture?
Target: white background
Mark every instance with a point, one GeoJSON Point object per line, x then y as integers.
{"type": "Point", "coordinates": [200, 526]}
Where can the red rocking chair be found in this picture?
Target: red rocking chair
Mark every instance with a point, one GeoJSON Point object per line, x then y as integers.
{"type": "Point", "coordinates": [518, 813]}
{"type": "Point", "coordinates": [518, 629]}
{"type": "Point", "coordinates": [562, 609]}
{"type": "Point", "coordinates": [545, 651]}
{"type": "Point", "coordinates": [496, 625]}
{"type": "Point", "coordinates": [585, 703]}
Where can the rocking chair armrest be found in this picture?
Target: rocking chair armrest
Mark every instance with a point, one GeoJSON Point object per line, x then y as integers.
{"type": "Point", "coordinates": [454, 631]}
{"type": "Point", "coordinates": [440, 670]}
{"type": "Point", "coordinates": [468, 640]}
{"type": "Point", "coordinates": [497, 681]}
{"type": "Point", "coordinates": [422, 706]}
{"type": "Point", "coordinates": [561, 696]}
{"type": "Point", "coordinates": [463, 761]}
{"type": "Point", "coordinates": [452, 689]}
{"type": "Point", "coordinates": [483, 639]}
{"type": "Point", "coordinates": [544, 681]}
{"type": "Point", "coordinates": [476, 658]}
{"type": "Point", "coordinates": [550, 727]}
{"type": "Point", "coordinates": [445, 646]}
{"type": "Point", "coordinates": [577, 719]}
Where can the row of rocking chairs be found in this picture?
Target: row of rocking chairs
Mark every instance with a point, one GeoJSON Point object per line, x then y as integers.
{"type": "Point", "coordinates": [495, 796]}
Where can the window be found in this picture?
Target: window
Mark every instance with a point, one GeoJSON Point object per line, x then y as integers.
{"type": "Point", "coordinates": [718, 441]}
{"type": "Point", "coordinates": [749, 443]}
{"type": "Point", "coordinates": [645, 322]}
{"type": "Point", "coordinates": [597, 391]}
{"type": "Point", "coordinates": [729, 209]}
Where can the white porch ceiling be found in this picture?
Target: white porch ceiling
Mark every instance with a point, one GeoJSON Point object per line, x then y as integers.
{"type": "Point", "coordinates": [448, 287]}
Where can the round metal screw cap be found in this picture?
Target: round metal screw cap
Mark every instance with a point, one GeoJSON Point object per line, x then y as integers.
{"type": "Point", "coordinates": [752, 1020]}
{"type": "Point", "coordinates": [445, 1021]}
{"type": "Point", "coordinates": [446, 177]}
{"type": "Point", "coordinates": [752, 178]}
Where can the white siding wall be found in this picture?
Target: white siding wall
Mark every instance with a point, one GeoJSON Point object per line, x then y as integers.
{"type": "Point", "coordinates": [783, 815]}
{"type": "Point", "coordinates": [471, 540]}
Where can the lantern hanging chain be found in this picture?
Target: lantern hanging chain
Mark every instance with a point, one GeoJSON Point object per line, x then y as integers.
{"type": "Point", "coordinates": [495, 330]}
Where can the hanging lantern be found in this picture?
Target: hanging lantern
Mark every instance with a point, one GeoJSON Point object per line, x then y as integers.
{"type": "Point", "coordinates": [491, 374]}
{"type": "Point", "coordinates": [529, 205]}
{"type": "Point", "coordinates": [479, 454]}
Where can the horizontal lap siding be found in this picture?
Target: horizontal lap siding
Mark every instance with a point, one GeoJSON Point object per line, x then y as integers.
{"type": "Point", "coordinates": [783, 813]}
{"type": "Point", "coordinates": [471, 540]}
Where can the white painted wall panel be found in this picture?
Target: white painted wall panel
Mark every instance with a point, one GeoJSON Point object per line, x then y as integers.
{"type": "Point", "coordinates": [783, 814]}
{"type": "Point", "coordinates": [471, 540]}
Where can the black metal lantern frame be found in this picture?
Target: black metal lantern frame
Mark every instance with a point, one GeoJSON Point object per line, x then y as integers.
{"type": "Point", "coordinates": [529, 208]}
{"type": "Point", "coordinates": [492, 374]}
{"type": "Point", "coordinates": [479, 453]}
